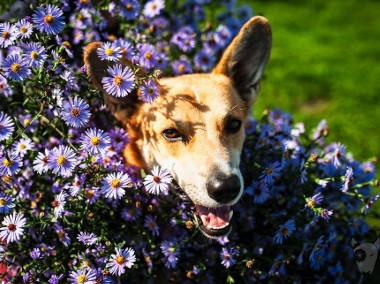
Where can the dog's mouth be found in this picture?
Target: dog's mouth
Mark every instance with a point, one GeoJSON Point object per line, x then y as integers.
{"type": "Point", "coordinates": [213, 222]}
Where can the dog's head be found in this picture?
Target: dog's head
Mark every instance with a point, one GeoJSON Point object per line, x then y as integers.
{"type": "Point", "coordinates": [195, 128]}
{"type": "Point", "coordinates": [365, 254]}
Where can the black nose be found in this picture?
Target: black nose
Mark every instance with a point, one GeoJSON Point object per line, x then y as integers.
{"type": "Point", "coordinates": [223, 188]}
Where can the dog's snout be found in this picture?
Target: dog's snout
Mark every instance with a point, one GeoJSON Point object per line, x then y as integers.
{"type": "Point", "coordinates": [223, 188]}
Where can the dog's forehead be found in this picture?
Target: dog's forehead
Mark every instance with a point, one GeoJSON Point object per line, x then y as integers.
{"type": "Point", "coordinates": [204, 89]}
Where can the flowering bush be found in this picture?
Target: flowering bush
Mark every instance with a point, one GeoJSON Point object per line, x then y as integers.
{"type": "Point", "coordinates": [72, 211]}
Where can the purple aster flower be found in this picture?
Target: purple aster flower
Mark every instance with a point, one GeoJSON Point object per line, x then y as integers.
{"type": "Point", "coordinates": [59, 204]}
{"type": "Point", "coordinates": [109, 51]}
{"type": "Point", "coordinates": [151, 224]}
{"type": "Point", "coordinates": [16, 68]}
{"type": "Point", "coordinates": [40, 164]}
{"type": "Point", "coordinates": [8, 34]}
{"type": "Point", "coordinates": [92, 194]}
{"type": "Point", "coordinates": [24, 29]}
{"type": "Point", "coordinates": [22, 146]}
{"type": "Point", "coordinates": [153, 8]}
{"type": "Point", "coordinates": [35, 54]}
{"type": "Point", "coordinates": [119, 138]}
{"type": "Point", "coordinates": [336, 152]}
{"type": "Point", "coordinates": [171, 251]}
{"type": "Point", "coordinates": [271, 172]}
{"type": "Point", "coordinates": [127, 49]}
{"type": "Point", "coordinates": [5, 89]}
{"type": "Point", "coordinates": [121, 82]}
{"type": "Point", "coordinates": [87, 238]}
{"type": "Point", "coordinates": [55, 279]}
{"type": "Point", "coordinates": [13, 227]}
{"type": "Point", "coordinates": [10, 163]}
{"type": "Point", "coordinates": [49, 19]}
{"type": "Point", "coordinates": [223, 36]}
{"type": "Point", "coordinates": [129, 9]}
{"type": "Point", "coordinates": [184, 39]}
{"type": "Point", "coordinates": [77, 184]}
{"type": "Point", "coordinates": [348, 177]}
{"type": "Point", "coordinates": [159, 181]}
{"type": "Point", "coordinates": [149, 91]}
{"type": "Point", "coordinates": [62, 235]}
{"type": "Point", "coordinates": [147, 55]}
{"type": "Point", "coordinates": [35, 253]}
{"type": "Point", "coordinates": [123, 258]}
{"type": "Point", "coordinates": [285, 231]}
{"type": "Point", "coordinates": [227, 256]}
{"type": "Point", "coordinates": [6, 203]}
{"type": "Point", "coordinates": [75, 112]}
{"type": "Point", "coordinates": [316, 199]}
{"type": "Point", "coordinates": [326, 214]}
{"type": "Point", "coordinates": [62, 160]}
{"type": "Point", "coordinates": [204, 60]}
{"type": "Point", "coordinates": [114, 185]}
{"type": "Point", "coordinates": [6, 126]}
{"type": "Point", "coordinates": [182, 66]}
{"type": "Point", "coordinates": [131, 213]}
{"type": "Point", "coordinates": [82, 276]}
{"type": "Point", "coordinates": [95, 141]}
{"type": "Point", "coordinates": [259, 191]}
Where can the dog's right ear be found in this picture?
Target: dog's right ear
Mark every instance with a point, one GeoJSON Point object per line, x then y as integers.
{"type": "Point", "coordinates": [245, 58]}
{"type": "Point", "coordinates": [121, 107]}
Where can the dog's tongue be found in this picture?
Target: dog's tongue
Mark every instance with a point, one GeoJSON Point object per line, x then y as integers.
{"type": "Point", "coordinates": [214, 218]}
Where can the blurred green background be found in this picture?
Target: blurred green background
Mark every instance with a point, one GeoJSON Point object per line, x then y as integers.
{"type": "Point", "coordinates": [325, 63]}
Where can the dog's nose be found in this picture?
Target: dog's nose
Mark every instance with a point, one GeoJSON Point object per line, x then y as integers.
{"type": "Point", "coordinates": [223, 188]}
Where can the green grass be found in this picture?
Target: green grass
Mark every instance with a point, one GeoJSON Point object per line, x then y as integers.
{"type": "Point", "coordinates": [325, 64]}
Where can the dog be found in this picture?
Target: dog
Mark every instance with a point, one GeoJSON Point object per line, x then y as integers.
{"type": "Point", "coordinates": [195, 127]}
{"type": "Point", "coordinates": [365, 254]}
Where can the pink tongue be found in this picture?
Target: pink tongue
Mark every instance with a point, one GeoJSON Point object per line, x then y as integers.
{"type": "Point", "coordinates": [214, 217]}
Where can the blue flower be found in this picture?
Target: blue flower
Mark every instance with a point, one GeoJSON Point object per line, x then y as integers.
{"type": "Point", "coordinates": [285, 231]}
{"type": "Point", "coordinates": [271, 172]}
{"type": "Point", "coordinates": [8, 33]}
{"type": "Point", "coordinates": [109, 51]}
{"type": "Point", "coordinates": [159, 181]}
{"type": "Point", "coordinates": [62, 160]}
{"type": "Point", "coordinates": [129, 9]}
{"type": "Point", "coordinates": [171, 251]}
{"type": "Point", "coordinates": [314, 200]}
{"type": "Point", "coordinates": [153, 8]}
{"type": "Point", "coordinates": [123, 258]}
{"type": "Point", "coordinates": [204, 60]}
{"type": "Point", "coordinates": [149, 91]}
{"type": "Point", "coordinates": [87, 238]}
{"type": "Point", "coordinates": [259, 191]}
{"type": "Point", "coordinates": [80, 276]}
{"type": "Point", "coordinates": [49, 19]}
{"type": "Point", "coordinates": [6, 203]}
{"type": "Point", "coordinates": [227, 256]}
{"type": "Point", "coordinates": [326, 214]}
{"type": "Point", "coordinates": [95, 141]}
{"type": "Point", "coordinates": [6, 126]}
{"type": "Point", "coordinates": [182, 66]}
{"type": "Point", "coordinates": [35, 54]}
{"type": "Point", "coordinates": [16, 68]}
{"type": "Point", "coordinates": [147, 55]}
{"type": "Point", "coordinates": [10, 164]}
{"type": "Point", "coordinates": [114, 185]}
{"type": "Point", "coordinates": [121, 83]}
{"type": "Point", "coordinates": [75, 112]}
{"type": "Point", "coordinates": [24, 29]}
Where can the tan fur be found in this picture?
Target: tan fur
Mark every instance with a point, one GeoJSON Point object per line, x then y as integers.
{"type": "Point", "coordinates": [198, 106]}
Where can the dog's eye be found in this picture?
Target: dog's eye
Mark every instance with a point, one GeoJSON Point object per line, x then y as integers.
{"type": "Point", "coordinates": [233, 125]}
{"type": "Point", "coordinates": [172, 135]}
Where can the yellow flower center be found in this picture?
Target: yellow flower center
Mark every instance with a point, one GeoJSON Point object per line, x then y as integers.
{"type": "Point", "coordinates": [66, 43]}
{"type": "Point", "coordinates": [7, 178]}
{"type": "Point", "coordinates": [22, 146]}
{"type": "Point", "coordinates": [120, 259]}
{"type": "Point", "coordinates": [61, 160]}
{"type": "Point", "coordinates": [81, 278]}
{"type": "Point", "coordinates": [83, 1]}
{"type": "Point", "coordinates": [75, 112]}
{"type": "Point", "coordinates": [128, 7]}
{"type": "Point", "coordinates": [108, 51]}
{"type": "Point", "coordinates": [181, 68]}
{"type": "Point", "coordinates": [95, 141]}
{"type": "Point", "coordinates": [311, 203]}
{"type": "Point", "coordinates": [6, 35]}
{"type": "Point", "coordinates": [23, 29]}
{"type": "Point", "coordinates": [284, 231]}
{"type": "Point", "coordinates": [7, 162]}
{"type": "Point", "coordinates": [48, 19]}
{"type": "Point", "coordinates": [34, 55]}
{"type": "Point", "coordinates": [89, 193]}
{"type": "Point", "coordinates": [118, 80]}
{"type": "Point", "coordinates": [2, 201]}
{"type": "Point", "coordinates": [26, 122]}
{"type": "Point", "coordinates": [115, 183]}
{"type": "Point", "coordinates": [16, 67]}
{"type": "Point", "coordinates": [269, 171]}
{"type": "Point", "coordinates": [148, 55]}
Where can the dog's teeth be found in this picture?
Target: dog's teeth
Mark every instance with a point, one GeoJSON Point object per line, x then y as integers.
{"type": "Point", "coordinates": [217, 228]}
{"type": "Point", "coordinates": [231, 214]}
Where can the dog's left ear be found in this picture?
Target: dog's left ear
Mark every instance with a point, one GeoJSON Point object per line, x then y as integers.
{"type": "Point", "coordinates": [245, 58]}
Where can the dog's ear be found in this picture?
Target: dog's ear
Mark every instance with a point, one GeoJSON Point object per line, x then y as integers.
{"type": "Point", "coordinates": [121, 107]}
{"type": "Point", "coordinates": [377, 242]}
{"type": "Point", "coordinates": [353, 242]}
{"type": "Point", "coordinates": [245, 58]}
